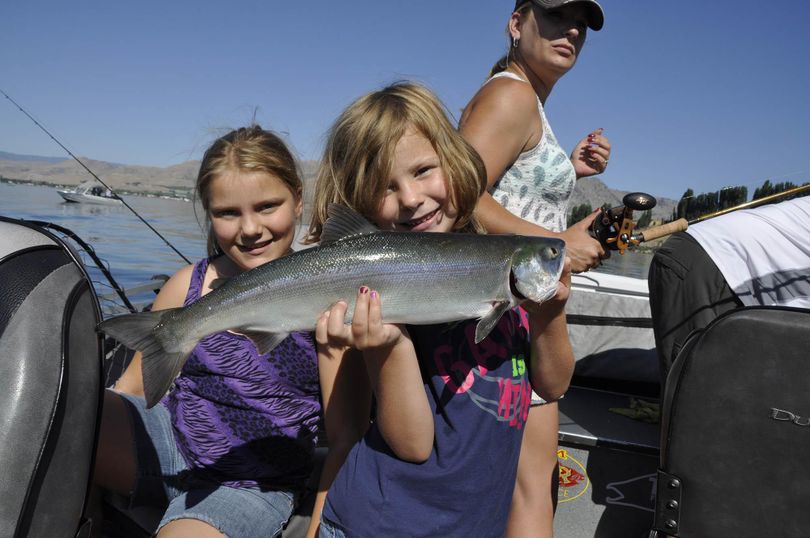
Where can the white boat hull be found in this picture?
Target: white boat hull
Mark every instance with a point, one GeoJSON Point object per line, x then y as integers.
{"type": "Point", "coordinates": [85, 198]}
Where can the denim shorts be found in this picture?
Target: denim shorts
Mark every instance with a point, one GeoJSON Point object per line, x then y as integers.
{"type": "Point", "coordinates": [163, 478]}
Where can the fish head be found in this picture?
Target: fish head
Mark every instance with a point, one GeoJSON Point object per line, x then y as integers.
{"type": "Point", "coordinates": [537, 264]}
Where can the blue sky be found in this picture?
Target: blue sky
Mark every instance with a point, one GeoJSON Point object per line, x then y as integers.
{"type": "Point", "coordinates": [700, 95]}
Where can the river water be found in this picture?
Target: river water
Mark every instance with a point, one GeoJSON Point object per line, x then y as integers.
{"type": "Point", "coordinates": [135, 253]}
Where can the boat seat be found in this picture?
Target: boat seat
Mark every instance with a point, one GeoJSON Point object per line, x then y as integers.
{"type": "Point", "coordinates": [50, 384]}
{"type": "Point", "coordinates": [736, 427]}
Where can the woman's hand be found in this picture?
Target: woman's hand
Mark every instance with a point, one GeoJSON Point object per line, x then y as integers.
{"type": "Point", "coordinates": [591, 155]}
{"type": "Point", "coordinates": [367, 331]}
{"type": "Point", "coordinates": [585, 251]}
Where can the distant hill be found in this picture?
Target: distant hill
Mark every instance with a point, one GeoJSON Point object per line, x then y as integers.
{"type": "Point", "coordinates": [6, 156]}
{"type": "Point", "coordinates": [178, 180]}
{"type": "Point", "coordinates": [175, 180]}
{"type": "Point", "coordinates": [595, 193]}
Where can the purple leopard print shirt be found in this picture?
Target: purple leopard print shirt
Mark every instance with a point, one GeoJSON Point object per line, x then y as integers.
{"type": "Point", "coordinates": [244, 419]}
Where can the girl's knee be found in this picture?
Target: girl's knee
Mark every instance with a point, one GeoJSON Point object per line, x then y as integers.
{"type": "Point", "coordinates": [189, 528]}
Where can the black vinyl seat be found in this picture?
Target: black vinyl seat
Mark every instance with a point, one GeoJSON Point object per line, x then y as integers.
{"type": "Point", "coordinates": [735, 431]}
{"type": "Point", "coordinates": [50, 384]}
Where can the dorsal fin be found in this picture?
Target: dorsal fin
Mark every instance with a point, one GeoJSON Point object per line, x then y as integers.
{"type": "Point", "coordinates": [344, 222]}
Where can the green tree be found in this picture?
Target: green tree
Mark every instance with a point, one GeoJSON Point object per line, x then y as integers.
{"type": "Point", "coordinates": [578, 213]}
{"type": "Point", "coordinates": [686, 202]}
{"type": "Point", "coordinates": [644, 220]}
{"type": "Point", "coordinates": [768, 188]}
{"type": "Point", "coordinates": [732, 196]}
{"type": "Point", "coordinates": [691, 206]}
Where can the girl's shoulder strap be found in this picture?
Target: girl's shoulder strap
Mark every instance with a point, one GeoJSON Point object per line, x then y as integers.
{"type": "Point", "coordinates": [197, 279]}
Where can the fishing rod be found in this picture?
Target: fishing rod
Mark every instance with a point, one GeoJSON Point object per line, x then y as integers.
{"type": "Point", "coordinates": [21, 109]}
{"type": "Point", "coordinates": [614, 228]}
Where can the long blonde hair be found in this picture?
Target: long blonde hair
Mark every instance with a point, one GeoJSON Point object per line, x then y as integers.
{"type": "Point", "coordinates": [249, 149]}
{"type": "Point", "coordinates": [360, 148]}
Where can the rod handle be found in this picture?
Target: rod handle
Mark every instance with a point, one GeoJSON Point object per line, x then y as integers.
{"type": "Point", "coordinates": [655, 232]}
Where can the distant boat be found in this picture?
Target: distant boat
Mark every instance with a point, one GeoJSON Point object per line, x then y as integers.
{"type": "Point", "coordinates": [90, 192]}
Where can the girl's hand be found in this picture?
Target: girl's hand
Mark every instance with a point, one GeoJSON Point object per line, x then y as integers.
{"type": "Point", "coordinates": [585, 251]}
{"type": "Point", "coordinates": [555, 305]}
{"type": "Point", "coordinates": [591, 155]}
{"type": "Point", "coordinates": [367, 331]}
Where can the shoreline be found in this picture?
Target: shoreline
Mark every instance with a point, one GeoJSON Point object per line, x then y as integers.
{"type": "Point", "coordinates": [121, 192]}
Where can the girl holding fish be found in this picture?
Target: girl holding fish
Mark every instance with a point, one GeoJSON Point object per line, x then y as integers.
{"type": "Point", "coordinates": [230, 447]}
{"type": "Point", "coordinates": [441, 454]}
{"type": "Point", "coordinates": [530, 180]}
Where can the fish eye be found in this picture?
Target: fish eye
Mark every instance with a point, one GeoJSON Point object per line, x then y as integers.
{"type": "Point", "coordinates": [550, 253]}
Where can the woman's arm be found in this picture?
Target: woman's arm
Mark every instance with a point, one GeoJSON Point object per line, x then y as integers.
{"type": "Point", "coordinates": [552, 359]}
{"type": "Point", "coordinates": [171, 295]}
{"type": "Point", "coordinates": [501, 122]}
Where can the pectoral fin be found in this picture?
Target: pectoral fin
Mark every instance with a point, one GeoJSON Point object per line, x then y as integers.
{"type": "Point", "coordinates": [490, 319]}
{"type": "Point", "coordinates": [265, 342]}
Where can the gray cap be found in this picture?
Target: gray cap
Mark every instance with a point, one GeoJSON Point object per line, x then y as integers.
{"type": "Point", "coordinates": [596, 16]}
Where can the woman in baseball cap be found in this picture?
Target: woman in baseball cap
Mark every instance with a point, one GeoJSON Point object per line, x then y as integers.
{"type": "Point", "coordinates": [530, 182]}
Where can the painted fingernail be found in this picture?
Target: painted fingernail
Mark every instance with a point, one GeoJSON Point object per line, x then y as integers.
{"type": "Point", "coordinates": [374, 294]}
{"type": "Point", "coordinates": [363, 290]}
{"type": "Point", "coordinates": [591, 136]}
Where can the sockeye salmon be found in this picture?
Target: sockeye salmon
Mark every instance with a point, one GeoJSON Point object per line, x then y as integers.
{"type": "Point", "coordinates": [422, 278]}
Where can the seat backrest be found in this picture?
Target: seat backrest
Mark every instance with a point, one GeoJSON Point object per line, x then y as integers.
{"type": "Point", "coordinates": [735, 426]}
{"type": "Point", "coordinates": [50, 383]}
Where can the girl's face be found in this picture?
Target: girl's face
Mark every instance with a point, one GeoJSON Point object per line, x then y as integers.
{"type": "Point", "coordinates": [417, 199]}
{"type": "Point", "coordinates": [253, 216]}
{"type": "Point", "coordinates": [552, 39]}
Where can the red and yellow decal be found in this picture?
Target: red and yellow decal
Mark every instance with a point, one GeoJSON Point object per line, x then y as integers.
{"type": "Point", "coordinates": [573, 479]}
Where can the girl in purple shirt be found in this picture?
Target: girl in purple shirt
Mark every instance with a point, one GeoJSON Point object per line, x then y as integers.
{"type": "Point", "coordinates": [228, 450]}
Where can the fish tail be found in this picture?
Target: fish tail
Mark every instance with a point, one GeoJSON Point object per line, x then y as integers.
{"type": "Point", "coordinates": [159, 366]}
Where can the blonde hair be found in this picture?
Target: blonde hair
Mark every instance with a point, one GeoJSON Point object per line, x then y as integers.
{"type": "Point", "coordinates": [247, 149]}
{"type": "Point", "coordinates": [360, 148]}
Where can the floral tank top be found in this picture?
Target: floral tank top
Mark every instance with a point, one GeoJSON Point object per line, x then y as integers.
{"type": "Point", "coordinates": [540, 183]}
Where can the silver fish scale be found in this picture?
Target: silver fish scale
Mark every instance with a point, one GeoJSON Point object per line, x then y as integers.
{"type": "Point", "coordinates": [423, 278]}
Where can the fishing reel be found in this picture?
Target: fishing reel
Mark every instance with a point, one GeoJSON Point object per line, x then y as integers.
{"type": "Point", "coordinates": [614, 226]}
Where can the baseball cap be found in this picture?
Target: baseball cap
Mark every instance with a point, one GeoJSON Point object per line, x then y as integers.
{"type": "Point", "coordinates": [596, 16]}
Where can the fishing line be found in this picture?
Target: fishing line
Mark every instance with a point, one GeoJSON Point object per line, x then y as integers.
{"type": "Point", "coordinates": [94, 175]}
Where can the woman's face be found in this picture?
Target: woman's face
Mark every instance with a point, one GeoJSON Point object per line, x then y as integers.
{"type": "Point", "coordinates": [551, 39]}
{"type": "Point", "coordinates": [253, 216]}
{"type": "Point", "coordinates": [417, 198]}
